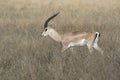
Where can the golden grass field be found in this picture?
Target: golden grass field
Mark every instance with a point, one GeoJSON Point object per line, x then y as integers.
{"type": "Point", "coordinates": [25, 55]}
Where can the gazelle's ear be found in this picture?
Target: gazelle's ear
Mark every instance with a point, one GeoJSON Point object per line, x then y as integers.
{"type": "Point", "coordinates": [50, 26]}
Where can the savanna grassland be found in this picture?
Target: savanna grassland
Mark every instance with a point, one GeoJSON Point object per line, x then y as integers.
{"type": "Point", "coordinates": [25, 55]}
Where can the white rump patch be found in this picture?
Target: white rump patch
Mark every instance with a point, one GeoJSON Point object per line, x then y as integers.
{"type": "Point", "coordinates": [82, 42]}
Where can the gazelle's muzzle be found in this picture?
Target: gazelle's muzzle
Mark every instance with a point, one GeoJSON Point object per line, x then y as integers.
{"type": "Point", "coordinates": [42, 34]}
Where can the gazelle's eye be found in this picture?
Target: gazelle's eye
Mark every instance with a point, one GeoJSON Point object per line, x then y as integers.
{"type": "Point", "coordinates": [45, 29]}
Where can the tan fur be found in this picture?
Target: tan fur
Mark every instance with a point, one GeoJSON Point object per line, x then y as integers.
{"type": "Point", "coordinates": [69, 37]}
{"type": "Point", "coordinates": [76, 37]}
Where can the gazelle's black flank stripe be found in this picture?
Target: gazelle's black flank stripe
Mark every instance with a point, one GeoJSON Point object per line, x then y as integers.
{"type": "Point", "coordinates": [47, 21]}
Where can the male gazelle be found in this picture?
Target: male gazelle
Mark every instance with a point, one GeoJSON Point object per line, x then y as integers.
{"type": "Point", "coordinates": [70, 39]}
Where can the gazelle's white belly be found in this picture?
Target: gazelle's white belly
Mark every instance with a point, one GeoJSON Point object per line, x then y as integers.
{"type": "Point", "coordinates": [82, 42]}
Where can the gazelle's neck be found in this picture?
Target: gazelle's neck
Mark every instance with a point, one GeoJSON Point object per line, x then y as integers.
{"type": "Point", "coordinates": [55, 35]}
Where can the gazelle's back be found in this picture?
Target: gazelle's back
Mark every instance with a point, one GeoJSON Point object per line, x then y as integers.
{"type": "Point", "coordinates": [77, 36]}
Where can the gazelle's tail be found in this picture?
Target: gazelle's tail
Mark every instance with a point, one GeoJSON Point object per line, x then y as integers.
{"type": "Point", "coordinates": [97, 35]}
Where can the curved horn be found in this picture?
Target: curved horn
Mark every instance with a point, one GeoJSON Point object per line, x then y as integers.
{"type": "Point", "coordinates": [47, 21]}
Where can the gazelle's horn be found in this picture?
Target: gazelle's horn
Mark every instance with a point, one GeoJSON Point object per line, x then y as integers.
{"type": "Point", "coordinates": [47, 21]}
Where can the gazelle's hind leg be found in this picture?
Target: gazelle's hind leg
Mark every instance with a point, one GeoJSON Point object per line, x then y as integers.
{"type": "Point", "coordinates": [89, 45]}
{"type": "Point", "coordinates": [95, 44]}
{"type": "Point", "coordinates": [90, 49]}
{"type": "Point", "coordinates": [97, 48]}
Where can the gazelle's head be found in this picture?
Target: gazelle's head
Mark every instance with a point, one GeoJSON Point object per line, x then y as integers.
{"type": "Point", "coordinates": [47, 28]}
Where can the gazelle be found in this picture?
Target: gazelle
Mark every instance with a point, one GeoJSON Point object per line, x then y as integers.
{"type": "Point", "coordinates": [70, 39]}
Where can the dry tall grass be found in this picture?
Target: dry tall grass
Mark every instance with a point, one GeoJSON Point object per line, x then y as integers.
{"type": "Point", "coordinates": [24, 55]}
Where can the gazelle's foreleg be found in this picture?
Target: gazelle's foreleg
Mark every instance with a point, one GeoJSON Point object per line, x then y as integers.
{"type": "Point", "coordinates": [64, 46]}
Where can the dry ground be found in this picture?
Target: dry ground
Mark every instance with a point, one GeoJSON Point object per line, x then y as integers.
{"type": "Point", "coordinates": [24, 55]}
